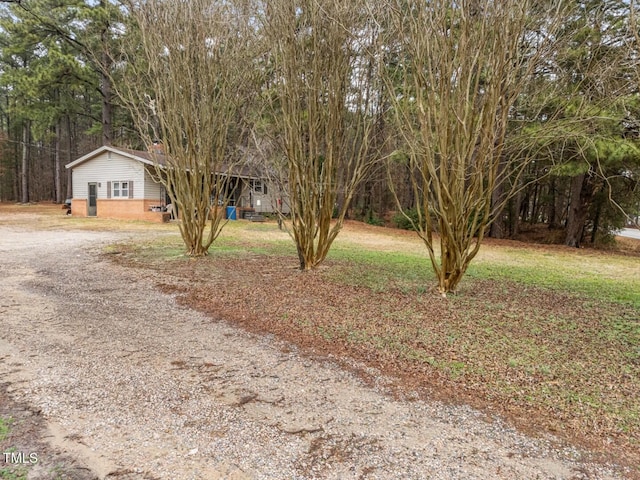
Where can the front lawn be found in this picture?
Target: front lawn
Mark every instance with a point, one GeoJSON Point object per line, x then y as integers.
{"type": "Point", "coordinates": [547, 336]}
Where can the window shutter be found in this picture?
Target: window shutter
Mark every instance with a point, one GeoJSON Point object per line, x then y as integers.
{"type": "Point", "coordinates": [130, 188]}
{"type": "Point", "coordinates": [108, 189]}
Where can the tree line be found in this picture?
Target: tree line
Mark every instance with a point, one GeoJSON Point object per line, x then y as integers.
{"type": "Point", "coordinates": [466, 119]}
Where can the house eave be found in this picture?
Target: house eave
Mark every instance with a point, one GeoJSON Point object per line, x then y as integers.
{"type": "Point", "coordinates": [106, 148]}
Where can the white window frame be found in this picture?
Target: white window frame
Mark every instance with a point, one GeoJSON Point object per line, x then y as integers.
{"type": "Point", "coordinates": [120, 189]}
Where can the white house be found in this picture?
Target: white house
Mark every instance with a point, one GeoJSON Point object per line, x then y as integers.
{"type": "Point", "coordinates": [115, 182]}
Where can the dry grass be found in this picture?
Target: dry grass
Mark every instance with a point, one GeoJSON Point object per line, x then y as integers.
{"type": "Point", "coordinates": [628, 245]}
{"type": "Point", "coordinates": [49, 216]}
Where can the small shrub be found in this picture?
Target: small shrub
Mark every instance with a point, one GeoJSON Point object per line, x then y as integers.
{"type": "Point", "coordinates": [401, 221]}
{"type": "Point", "coordinates": [374, 220]}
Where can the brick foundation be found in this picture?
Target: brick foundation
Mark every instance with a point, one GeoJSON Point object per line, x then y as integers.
{"type": "Point", "coordinates": [79, 207]}
{"type": "Point", "coordinates": [121, 209]}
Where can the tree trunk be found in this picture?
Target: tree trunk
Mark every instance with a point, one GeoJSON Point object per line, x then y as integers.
{"type": "Point", "coordinates": [16, 170]}
{"type": "Point", "coordinates": [105, 85]}
{"type": "Point", "coordinates": [515, 215]}
{"type": "Point", "coordinates": [497, 229]}
{"type": "Point", "coordinates": [57, 164]}
{"type": "Point", "coordinates": [105, 89]}
{"type": "Point", "coordinates": [552, 212]}
{"type": "Point", "coordinates": [24, 172]}
{"type": "Point", "coordinates": [340, 201]}
{"type": "Point", "coordinates": [533, 219]}
{"type": "Point", "coordinates": [582, 190]}
{"type": "Point", "coordinates": [450, 274]}
{"type": "Point", "coordinates": [596, 222]}
{"type": "Point", "coordinates": [523, 214]}
{"type": "Point", "coordinates": [69, 158]}
{"type": "Point", "coordinates": [454, 263]}
{"type": "Point", "coordinates": [304, 263]}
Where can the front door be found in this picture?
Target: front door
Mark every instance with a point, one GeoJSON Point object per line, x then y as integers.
{"type": "Point", "coordinates": [92, 200]}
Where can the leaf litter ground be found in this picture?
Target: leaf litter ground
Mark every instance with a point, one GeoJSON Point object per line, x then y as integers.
{"type": "Point", "coordinates": [549, 360]}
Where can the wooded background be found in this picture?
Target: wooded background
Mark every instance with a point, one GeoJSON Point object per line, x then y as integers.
{"type": "Point", "coordinates": [574, 126]}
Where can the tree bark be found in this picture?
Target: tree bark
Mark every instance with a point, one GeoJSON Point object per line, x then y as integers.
{"type": "Point", "coordinates": [69, 158]}
{"type": "Point", "coordinates": [24, 171]}
{"type": "Point", "coordinates": [497, 229]}
{"type": "Point", "coordinates": [105, 85]}
{"type": "Point", "coordinates": [582, 190]}
{"type": "Point", "coordinates": [105, 90]}
{"type": "Point", "coordinates": [57, 164]}
{"type": "Point", "coordinates": [514, 213]}
{"type": "Point", "coordinates": [533, 219]}
{"type": "Point", "coordinates": [596, 223]}
{"type": "Point", "coordinates": [552, 211]}
{"type": "Point", "coordinates": [16, 169]}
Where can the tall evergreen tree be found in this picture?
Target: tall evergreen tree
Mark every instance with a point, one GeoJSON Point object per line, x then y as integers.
{"type": "Point", "coordinates": [581, 129]}
{"type": "Point", "coordinates": [55, 62]}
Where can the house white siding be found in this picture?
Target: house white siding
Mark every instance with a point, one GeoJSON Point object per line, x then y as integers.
{"type": "Point", "coordinates": [153, 190]}
{"type": "Point", "coordinates": [108, 167]}
{"type": "Point", "coordinates": [263, 202]}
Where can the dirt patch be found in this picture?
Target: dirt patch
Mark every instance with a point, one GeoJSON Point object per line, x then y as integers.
{"type": "Point", "coordinates": [25, 449]}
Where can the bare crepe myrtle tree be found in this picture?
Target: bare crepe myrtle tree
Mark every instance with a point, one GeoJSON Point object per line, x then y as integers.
{"type": "Point", "coordinates": [188, 77]}
{"type": "Point", "coordinates": [457, 69]}
{"type": "Point", "coordinates": [320, 94]}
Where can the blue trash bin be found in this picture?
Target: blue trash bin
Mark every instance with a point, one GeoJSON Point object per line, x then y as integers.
{"type": "Point", "coordinates": [231, 213]}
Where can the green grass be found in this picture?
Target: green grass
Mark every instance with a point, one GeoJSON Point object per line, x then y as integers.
{"type": "Point", "coordinates": [235, 240]}
{"type": "Point", "coordinates": [11, 472]}
{"type": "Point", "coordinates": [4, 428]}
{"type": "Point", "coordinates": [599, 277]}
{"type": "Point", "coordinates": [595, 278]}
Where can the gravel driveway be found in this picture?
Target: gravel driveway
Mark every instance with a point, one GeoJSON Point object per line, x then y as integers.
{"type": "Point", "coordinates": [132, 385]}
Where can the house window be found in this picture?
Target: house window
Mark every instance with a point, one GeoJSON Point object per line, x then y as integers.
{"type": "Point", "coordinates": [120, 189]}
{"type": "Point", "coordinates": [258, 187]}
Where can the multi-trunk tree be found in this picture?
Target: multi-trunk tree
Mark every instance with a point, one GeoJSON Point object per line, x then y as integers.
{"type": "Point", "coordinates": [187, 79]}
{"type": "Point", "coordinates": [458, 69]}
{"type": "Point", "coordinates": [322, 91]}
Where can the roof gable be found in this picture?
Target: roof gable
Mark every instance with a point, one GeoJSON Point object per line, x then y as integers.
{"type": "Point", "coordinates": [240, 171]}
{"type": "Point", "coordinates": [137, 155]}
